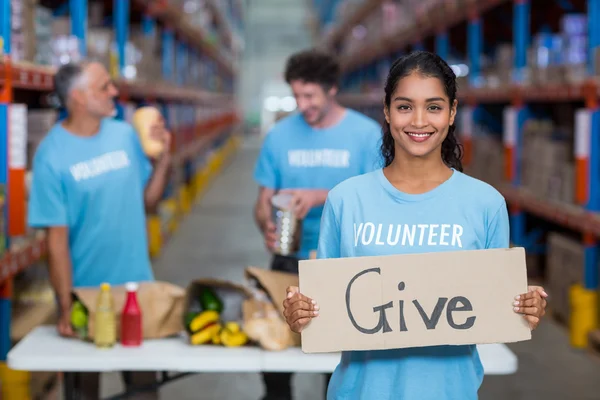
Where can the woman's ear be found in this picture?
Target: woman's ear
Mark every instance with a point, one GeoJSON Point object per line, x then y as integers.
{"type": "Point", "coordinates": [453, 111]}
{"type": "Point", "coordinates": [386, 112]}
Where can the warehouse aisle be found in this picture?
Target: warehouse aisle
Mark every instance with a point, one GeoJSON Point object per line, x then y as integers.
{"type": "Point", "coordinates": [218, 239]}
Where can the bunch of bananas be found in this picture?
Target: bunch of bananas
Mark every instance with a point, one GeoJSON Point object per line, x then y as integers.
{"type": "Point", "coordinates": [206, 327]}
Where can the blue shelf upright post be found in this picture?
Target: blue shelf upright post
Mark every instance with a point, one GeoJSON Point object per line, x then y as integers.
{"type": "Point", "coordinates": [516, 116]}
{"type": "Point", "coordinates": [121, 26]}
{"type": "Point", "coordinates": [6, 286]}
{"type": "Point", "coordinates": [474, 49]}
{"type": "Point", "coordinates": [521, 37]}
{"type": "Point", "coordinates": [149, 32]}
{"type": "Point", "coordinates": [418, 46]}
{"type": "Point", "coordinates": [442, 45]}
{"type": "Point", "coordinates": [168, 52]}
{"type": "Point", "coordinates": [591, 177]}
{"type": "Point", "coordinates": [79, 17]}
{"type": "Point", "coordinates": [593, 13]}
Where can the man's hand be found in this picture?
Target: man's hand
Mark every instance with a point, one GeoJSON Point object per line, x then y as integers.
{"type": "Point", "coordinates": [270, 235]}
{"type": "Point", "coordinates": [304, 200]}
{"type": "Point", "coordinates": [64, 324]}
{"type": "Point", "coordinates": [159, 132]}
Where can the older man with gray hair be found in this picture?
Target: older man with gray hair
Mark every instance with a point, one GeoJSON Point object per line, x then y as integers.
{"type": "Point", "coordinates": [91, 186]}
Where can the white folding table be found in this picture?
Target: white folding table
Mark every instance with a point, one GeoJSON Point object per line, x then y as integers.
{"type": "Point", "coordinates": [44, 350]}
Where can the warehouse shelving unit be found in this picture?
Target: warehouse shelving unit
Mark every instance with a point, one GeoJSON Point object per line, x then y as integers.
{"type": "Point", "coordinates": [200, 112]}
{"type": "Point", "coordinates": [465, 32]}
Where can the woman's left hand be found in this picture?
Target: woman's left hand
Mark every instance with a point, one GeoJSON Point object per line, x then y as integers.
{"type": "Point", "coordinates": [532, 305]}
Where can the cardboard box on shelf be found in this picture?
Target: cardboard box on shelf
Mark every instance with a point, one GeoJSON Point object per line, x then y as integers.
{"type": "Point", "coordinates": [547, 161]}
{"type": "Point", "coordinates": [565, 260]}
{"type": "Point", "coordinates": [488, 158]}
{"type": "Point", "coordinates": [43, 36]}
{"type": "Point", "coordinates": [99, 42]}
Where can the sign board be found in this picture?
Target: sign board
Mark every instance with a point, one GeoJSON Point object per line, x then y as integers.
{"type": "Point", "coordinates": [415, 300]}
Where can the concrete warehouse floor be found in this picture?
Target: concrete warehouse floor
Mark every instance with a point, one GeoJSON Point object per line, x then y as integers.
{"type": "Point", "coordinates": [219, 239]}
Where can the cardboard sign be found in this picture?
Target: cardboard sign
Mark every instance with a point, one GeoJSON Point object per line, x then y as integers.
{"type": "Point", "coordinates": [415, 300]}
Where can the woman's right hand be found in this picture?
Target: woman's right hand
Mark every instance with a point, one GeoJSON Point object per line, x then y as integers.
{"type": "Point", "coordinates": [298, 309]}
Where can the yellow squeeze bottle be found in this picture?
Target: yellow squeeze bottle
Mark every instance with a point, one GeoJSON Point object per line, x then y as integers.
{"type": "Point", "coordinates": [105, 329]}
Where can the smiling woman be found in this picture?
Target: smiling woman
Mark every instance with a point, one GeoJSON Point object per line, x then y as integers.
{"type": "Point", "coordinates": [420, 108]}
{"type": "Point", "coordinates": [420, 202]}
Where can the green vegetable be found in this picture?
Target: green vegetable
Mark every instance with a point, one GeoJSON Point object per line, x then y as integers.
{"type": "Point", "coordinates": [210, 301]}
{"type": "Point", "coordinates": [188, 318]}
{"type": "Point", "coordinates": [79, 319]}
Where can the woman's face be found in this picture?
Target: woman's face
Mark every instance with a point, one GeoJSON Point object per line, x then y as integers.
{"type": "Point", "coordinates": [419, 116]}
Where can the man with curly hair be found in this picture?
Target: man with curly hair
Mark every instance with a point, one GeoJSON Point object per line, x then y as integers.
{"type": "Point", "coordinates": [306, 154]}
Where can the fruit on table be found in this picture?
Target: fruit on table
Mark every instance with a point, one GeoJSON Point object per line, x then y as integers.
{"type": "Point", "coordinates": [187, 320]}
{"type": "Point", "coordinates": [232, 336]}
{"type": "Point", "coordinates": [216, 339]}
{"type": "Point", "coordinates": [206, 334]}
{"type": "Point", "coordinates": [79, 319]}
{"type": "Point", "coordinates": [210, 301]}
{"type": "Point", "coordinates": [78, 315]}
{"type": "Point", "coordinates": [204, 319]}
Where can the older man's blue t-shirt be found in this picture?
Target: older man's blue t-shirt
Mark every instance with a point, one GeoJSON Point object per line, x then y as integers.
{"type": "Point", "coordinates": [94, 186]}
{"type": "Point", "coordinates": [368, 216]}
{"type": "Point", "coordinates": [297, 156]}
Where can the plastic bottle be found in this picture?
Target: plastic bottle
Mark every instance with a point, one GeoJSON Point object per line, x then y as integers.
{"type": "Point", "coordinates": [131, 318]}
{"type": "Point", "coordinates": [105, 330]}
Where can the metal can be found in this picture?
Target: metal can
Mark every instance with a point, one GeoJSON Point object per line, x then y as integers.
{"type": "Point", "coordinates": [288, 227]}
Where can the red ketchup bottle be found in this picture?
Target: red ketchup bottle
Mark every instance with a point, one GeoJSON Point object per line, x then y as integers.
{"type": "Point", "coordinates": [131, 318]}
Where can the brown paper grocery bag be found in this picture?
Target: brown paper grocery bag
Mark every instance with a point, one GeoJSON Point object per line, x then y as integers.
{"type": "Point", "coordinates": [274, 285]}
{"type": "Point", "coordinates": [162, 306]}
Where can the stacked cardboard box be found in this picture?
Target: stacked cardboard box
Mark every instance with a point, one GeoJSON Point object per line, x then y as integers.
{"type": "Point", "coordinates": [488, 158]}
{"type": "Point", "coordinates": [564, 263]}
{"type": "Point", "coordinates": [547, 162]}
{"type": "Point", "coordinates": [39, 122]}
{"type": "Point", "coordinates": [43, 36]}
{"type": "Point", "coordinates": [21, 37]}
{"type": "Point", "coordinates": [560, 57]}
{"type": "Point", "coordinates": [147, 60]}
{"type": "Point", "coordinates": [65, 47]}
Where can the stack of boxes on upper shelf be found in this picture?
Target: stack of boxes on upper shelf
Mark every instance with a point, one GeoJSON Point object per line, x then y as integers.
{"type": "Point", "coordinates": [557, 58]}
{"type": "Point", "coordinates": [488, 156]}
{"type": "Point", "coordinates": [548, 169]}
{"type": "Point", "coordinates": [31, 32]}
{"type": "Point", "coordinates": [552, 58]}
{"type": "Point", "coordinates": [390, 17]}
{"type": "Point", "coordinates": [547, 161]}
{"type": "Point", "coordinates": [39, 38]}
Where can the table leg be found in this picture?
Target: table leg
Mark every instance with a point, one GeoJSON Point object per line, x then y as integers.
{"type": "Point", "coordinates": [70, 390]}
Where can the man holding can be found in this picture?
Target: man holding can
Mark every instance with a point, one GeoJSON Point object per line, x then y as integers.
{"type": "Point", "coordinates": [305, 155]}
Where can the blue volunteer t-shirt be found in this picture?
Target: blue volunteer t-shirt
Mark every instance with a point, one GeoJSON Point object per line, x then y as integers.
{"type": "Point", "coordinates": [95, 187]}
{"type": "Point", "coordinates": [297, 156]}
{"type": "Point", "coordinates": [368, 216]}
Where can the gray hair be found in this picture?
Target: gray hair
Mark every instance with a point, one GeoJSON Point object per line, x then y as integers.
{"type": "Point", "coordinates": [65, 79]}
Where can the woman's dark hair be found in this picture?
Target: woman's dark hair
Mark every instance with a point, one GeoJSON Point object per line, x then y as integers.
{"type": "Point", "coordinates": [429, 65]}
